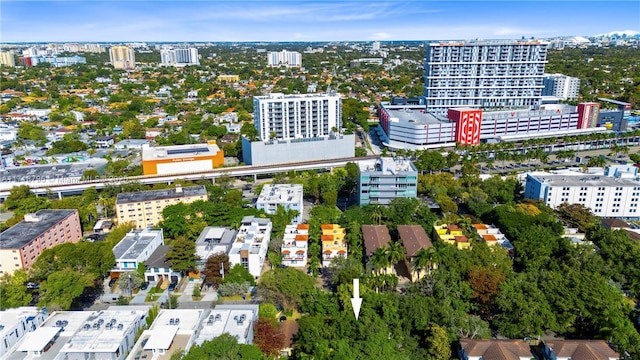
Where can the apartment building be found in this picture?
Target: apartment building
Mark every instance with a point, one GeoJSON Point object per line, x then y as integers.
{"type": "Point", "coordinates": [16, 323]}
{"type": "Point", "coordinates": [334, 243]}
{"type": "Point", "coordinates": [451, 234]}
{"type": "Point", "coordinates": [384, 179]}
{"type": "Point", "coordinates": [284, 58]}
{"type": "Point", "coordinates": [229, 78]}
{"type": "Point", "coordinates": [236, 320]}
{"type": "Point", "coordinates": [612, 194]}
{"type": "Point", "coordinates": [289, 196]}
{"type": "Point", "coordinates": [122, 57]}
{"type": "Point", "coordinates": [374, 238]}
{"type": "Point", "coordinates": [283, 117]}
{"type": "Point", "coordinates": [414, 239]}
{"type": "Point", "coordinates": [144, 208]}
{"type": "Point", "coordinates": [179, 57]}
{"type": "Point", "coordinates": [295, 245]}
{"type": "Point", "coordinates": [21, 244]}
{"type": "Point", "coordinates": [483, 74]}
{"type": "Point", "coordinates": [561, 86]}
{"type": "Point", "coordinates": [251, 244]}
{"type": "Point", "coordinates": [136, 247]}
{"type": "Point", "coordinates": [7, 59]}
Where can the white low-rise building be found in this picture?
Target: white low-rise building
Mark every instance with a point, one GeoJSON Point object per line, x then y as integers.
{"type": "Point", "coordinates": [295, 245]}
{"type": "Point", "coordinates": [612, 194]}
{"type": "Point", "coordinates": [289, 196]}
{"type": "Point", "coordinates": [172, 331]}
{"type": "Point", "coordinates": [251, 244]}
{"type": "Point", "coordinates": [236, 320]}
{"type": "Point", "coordinates": [16, 323]}
{"type": "Point", "coordinates": [159, 268]}
{"type": "Point", "coordinates": [136, 247]}
{"type": "Point", "coordinates": [214, 240]}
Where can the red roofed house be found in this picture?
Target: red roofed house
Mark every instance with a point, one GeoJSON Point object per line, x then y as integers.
{"type": "Point", "coordinates": [375, 237]}
{"type": "Point", "coordinates": [414, 238]}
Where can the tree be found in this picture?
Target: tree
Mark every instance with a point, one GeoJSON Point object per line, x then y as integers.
{"type": "Point", "coordinates": [268, 337]}
{"type": "Point", "coordinates": [577, 215]}
{"type": "Point", "coordinates": [182, 255]}
{"type": "Point", "coordinates": [423, 260]}
{"type": "Point", "coordinates": [239, 275]}
{"type": "Point", "coordinates": [268, 311]}
{"type": "Point", "coordinates": [396, 252]}
{"type": "Point", "coordinates": [224, 346]}
{"type": "Point", "coordinates": [215, 266]}
{"type": "Point", "coordinates": [380, 260]}
{"type": "Point", "coordinates": [62, 287]}
{"type": "Point", "coordinates": [344, 270]}
{"type": "Point", "coordinates": [130, 280]}
{"type": "Point", "coordinates": [485, 282]}
{"type": "Point", "coordinates": [439, 347]}
{"type": "Point", "coordinates": [13, 290]}
{"type": "Point", "coordinates": [286, 286]}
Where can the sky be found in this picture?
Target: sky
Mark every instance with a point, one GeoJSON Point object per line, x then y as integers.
{"type": "Point", "coordinates": [289, 20]}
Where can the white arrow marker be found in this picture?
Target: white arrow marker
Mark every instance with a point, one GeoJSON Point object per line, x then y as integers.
{"type": "Point", "coordinates": [356, 301]}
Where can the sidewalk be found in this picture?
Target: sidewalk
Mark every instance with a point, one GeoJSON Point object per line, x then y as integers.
{"type": "Point", "coordinates": [187, 293]}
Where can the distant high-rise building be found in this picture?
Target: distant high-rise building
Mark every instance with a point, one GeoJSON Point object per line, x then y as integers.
{"type": "Point", "coordinates": [179, 56]}
{"type": "Point", "coordinates": [284, 58]}
{"type": "Point", "coordinates": [375, 46]}
{"type": "Point", "coordinates": [483, 74]}
{"type": "Point", "coordinates": [7, 59]}
{"type": "Point", "coordinates": [561, 86]}
{"type": "Point", "coordinates": [297, 116]}
{"type": "Point", "coordinates": [122, 57]}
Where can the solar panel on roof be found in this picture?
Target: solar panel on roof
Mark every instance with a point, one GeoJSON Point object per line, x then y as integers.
{"type": "Point", "coordinates": [187, 151]}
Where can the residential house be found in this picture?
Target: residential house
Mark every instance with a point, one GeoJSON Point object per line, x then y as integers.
{"type": "Point", "coordinates": [576, 350]}
{"type": "Point", "coordinates": [451, 234]}
{"type": "Point", "coordinates": [251, 244]}
{"type": "Point", "coordinates": [103, 226]}
{"type": "Point", "coordinates": [173, 331]}
{"type": "Point", "coordinates": [295, 245]}
{"type": "Point", "coordinates": [375, 237]}
{"type": "Point", "coordinates": [159, 268]}
{"type": "Point", "coordinates": [492, 236]}
{"type": "Point", "coordinates": [136, 247]}
{"type": "Point", "coordinates": [136, 144]}
{"type": "Point", "coordinates": [414, 239]}
{"type": "Point", "coordinates": [16, 323]}
{"type": "Point", "coordinates": [236, 320]}
{"type": "Point", "coordinates": [334, 243]}
{"type": "Point", "coordinates": [214, 240]}
{"type": "Point", "coordinates": [104, 142]}
{"type": "Point", "coordinates": [472, 349]}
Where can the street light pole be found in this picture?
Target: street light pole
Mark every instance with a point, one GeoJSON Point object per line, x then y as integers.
{"type": "Point", "coordinates": [222, 269]}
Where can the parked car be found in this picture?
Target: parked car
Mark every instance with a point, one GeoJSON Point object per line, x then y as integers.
{"type": "Point", "coordinates": [173, 285]}
{"type": "Point", "coordinates": [144, 285]}
{"type": "Point", "coordinates": [33, 286]}
{"type": "Point", "coordinates": [112, 282]}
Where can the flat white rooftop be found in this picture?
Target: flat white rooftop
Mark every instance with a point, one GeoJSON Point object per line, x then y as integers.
{"type": "Point", "coordinates": [38, 339]}
{"type": "Point", "coordinates": [387, 165]}
{"type": "Point", "coordinates": [236, 320]}
{"type": "Point", "coordinates": [179, 151]}
{"type": "Point", "coordinates": [281, 193]}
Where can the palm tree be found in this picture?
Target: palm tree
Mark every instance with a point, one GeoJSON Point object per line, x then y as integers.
{"type": "Point", "coordinates": [380, 260]}
{"type": "Point", "coordinates": [376, 213]}
{"type": "Point", "coordinates": [423, 260]}
{"type": "Point", "coordinates": [396, 253]}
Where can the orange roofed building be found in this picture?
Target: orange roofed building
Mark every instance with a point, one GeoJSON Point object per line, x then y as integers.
{"type": "Point", "coordinates": [295, 245]}
{"type": "Point", "coordinates": [181, 158]}
{"type": "Point", "coordinates": [334, 243]}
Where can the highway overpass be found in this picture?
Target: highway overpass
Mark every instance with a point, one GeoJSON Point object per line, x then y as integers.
{"type": "Point", "coordinates": [68, 186]}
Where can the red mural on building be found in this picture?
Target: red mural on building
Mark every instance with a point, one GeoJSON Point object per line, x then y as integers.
{"type": "Point", "coordinates": [467, 125]}
{"type": "Point", "coordinates": [588, 115]}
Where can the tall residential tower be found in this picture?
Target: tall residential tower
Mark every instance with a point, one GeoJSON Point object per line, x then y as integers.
{"type": "Point", "coordinates": [122, 57]}
{"type": "Point", "coordinates": [494, 74]}
{"type": "Point", "coordinates": [297, 116]}
{"type": "Point", "coordinates": [179, 57]}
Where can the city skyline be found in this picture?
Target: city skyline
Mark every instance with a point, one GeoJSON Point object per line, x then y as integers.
{"type": "Point", "coordinates": [280, 21]}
